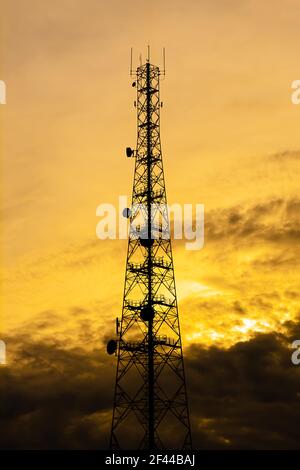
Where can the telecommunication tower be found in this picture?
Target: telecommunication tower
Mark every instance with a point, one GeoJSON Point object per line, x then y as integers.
{"type": "Point", "coordinates": [150, 409]}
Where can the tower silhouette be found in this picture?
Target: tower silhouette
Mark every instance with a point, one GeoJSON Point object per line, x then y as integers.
{"type": "Point", "coordinates": [150, 408]}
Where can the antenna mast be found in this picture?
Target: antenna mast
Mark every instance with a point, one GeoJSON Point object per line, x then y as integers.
{"type": "Point", "coordinates": [150, 402]}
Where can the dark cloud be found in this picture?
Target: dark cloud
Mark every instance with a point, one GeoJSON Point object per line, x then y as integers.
{"type": "Point", "coordinates": [286, 259]}
{"type": "Point", "coordinates": [285, 155]}
{"type": "Point", "coordinates": [238, 308]}
{"type": "Point", "coordinates": [276, 220]}
{"type": "Point", "coordinates": [247, 396]}
{"type": "Point", "coordinates": [52, 397]}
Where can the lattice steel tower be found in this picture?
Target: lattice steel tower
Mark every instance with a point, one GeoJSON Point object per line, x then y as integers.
{"type": "Point", "coordinates": [150, 402]}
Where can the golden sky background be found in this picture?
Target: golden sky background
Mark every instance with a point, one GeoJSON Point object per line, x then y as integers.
{"type": "Point", "coordinates": [230, 140]}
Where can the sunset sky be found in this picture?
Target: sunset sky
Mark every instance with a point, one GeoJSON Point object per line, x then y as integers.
{"type": "Point", "coordinates": [230, 140]}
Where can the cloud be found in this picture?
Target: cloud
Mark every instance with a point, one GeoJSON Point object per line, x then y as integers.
{"type": "Point", "coordinates": [52, 397]}
{"type": "Point", "coordinates": [285, 155]}
{"type": "Point", "coordinates": [246, 396]}
{"type": "Point", "coordinates": [249, 265]}
{"type": "Point", "coordinates": [271, 221]}
{"type": "Point", "coordinates": [274, 220]}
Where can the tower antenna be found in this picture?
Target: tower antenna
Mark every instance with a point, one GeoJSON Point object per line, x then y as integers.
{"type": "Point", "coordinates": [131, 71]}
{"type": "Point", "coordinates": [150, 409]}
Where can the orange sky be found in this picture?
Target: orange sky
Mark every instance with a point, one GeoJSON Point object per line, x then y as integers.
{"type": "Point", "coordinates": [230, 139]}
